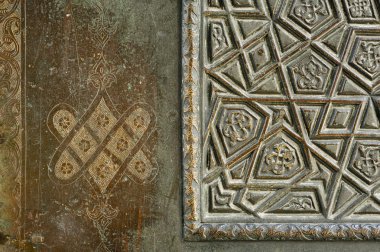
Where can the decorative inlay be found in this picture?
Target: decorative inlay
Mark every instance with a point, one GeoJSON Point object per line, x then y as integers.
{"type": "Point", "coordinates": [103, 145]}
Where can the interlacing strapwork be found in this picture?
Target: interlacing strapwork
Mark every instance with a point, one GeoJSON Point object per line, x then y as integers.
{"type": "Point", "coordinates": [291, 109]}
{"type": "Point", "coordinates": [103, 145]}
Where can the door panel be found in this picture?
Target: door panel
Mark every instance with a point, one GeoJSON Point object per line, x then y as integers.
{"type": "Point", "coordinates": [75, 77]}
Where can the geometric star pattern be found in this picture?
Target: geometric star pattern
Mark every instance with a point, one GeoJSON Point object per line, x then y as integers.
{"type": "Point", "coordinates": [291, 109]}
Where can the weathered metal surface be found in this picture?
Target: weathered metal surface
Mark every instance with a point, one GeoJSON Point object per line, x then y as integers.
{"type": "Point", "coordinates": [10, 120]}
{"type": "Point", "coordinates": [90, 129]}
{"type": "Point", "coordinates": [281, 126]}
{"type": "Point", "coordinates": [83, 127]}
{"type": "Point", "coordinates": [146, 47]}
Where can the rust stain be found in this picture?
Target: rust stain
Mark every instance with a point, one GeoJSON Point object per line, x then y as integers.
{"type": "Point", "coordinates": [139, 229]}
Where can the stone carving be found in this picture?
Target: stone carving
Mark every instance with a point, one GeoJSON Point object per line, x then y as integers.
{"type": "Point", "coordinates": [288, 130]}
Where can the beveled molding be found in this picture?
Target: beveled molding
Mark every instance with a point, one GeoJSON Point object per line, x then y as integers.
{"type": "Point", "coordinates": [280, 120]}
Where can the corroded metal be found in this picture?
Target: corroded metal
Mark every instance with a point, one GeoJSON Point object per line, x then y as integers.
{"type": "Point", "coordinates": [280, 111]}
{"type": "Point", "coordinates": [78, 129]}
{"type": "Point", "coordinates": [10, 120]}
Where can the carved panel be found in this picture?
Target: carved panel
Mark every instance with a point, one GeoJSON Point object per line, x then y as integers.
{"type": "Point", "coordinates": [281, 109]}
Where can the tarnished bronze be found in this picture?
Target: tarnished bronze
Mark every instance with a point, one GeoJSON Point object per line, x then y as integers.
{"type": "Point", "coordinates": [90, 129]}
{"type": "Point", "coordinates": [78, 128]}
{"type": "Point", "coordinates": [281, 119]}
